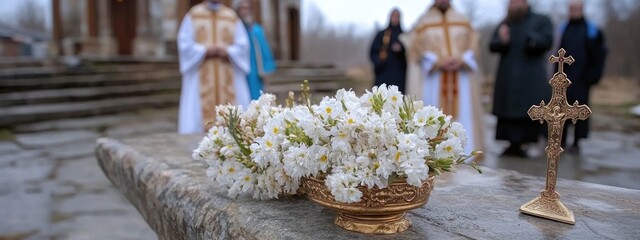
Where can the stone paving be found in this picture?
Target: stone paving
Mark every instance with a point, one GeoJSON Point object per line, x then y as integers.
{"type": "Point", "coordinates": [52, 188]}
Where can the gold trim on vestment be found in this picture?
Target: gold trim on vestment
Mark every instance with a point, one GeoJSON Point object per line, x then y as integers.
{"type": "Point", "coordinates": [449, 93]}
{"type": "Point", "coordinates": [448, 80]}
{"type": "Point", "coordinates": [214, 85]}
{"type": "Point", "coordinates": [425, 26]}
{"type": "Point", "coordinates": [222, 18]}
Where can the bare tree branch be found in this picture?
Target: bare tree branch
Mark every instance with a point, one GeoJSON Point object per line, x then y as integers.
{"type": "Point", "coordinates": [30, 15]}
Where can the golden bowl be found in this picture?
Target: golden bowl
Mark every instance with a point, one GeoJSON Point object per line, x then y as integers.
{"type": "Point", "coordinates": [380, 211]}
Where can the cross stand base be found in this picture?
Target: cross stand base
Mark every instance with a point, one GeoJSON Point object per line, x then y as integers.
{"type": "Point", "coordinates": [549, 208]}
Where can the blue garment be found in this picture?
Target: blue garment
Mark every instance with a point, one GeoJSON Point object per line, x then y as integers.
{"type": "Point", "coordinates": [259, 57]}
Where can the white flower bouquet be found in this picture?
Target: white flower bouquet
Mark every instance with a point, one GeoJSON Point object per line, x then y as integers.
{"type": "Point", "coordinates": [349, 141]}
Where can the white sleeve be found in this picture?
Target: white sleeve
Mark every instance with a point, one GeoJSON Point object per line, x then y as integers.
{"type": "Point", "coordinates": [239, 51]}
{"type": "Point", "coordinates": [429, 60]}
{"type": "Point", "coordinates": [469, 58]}
{"type": "Point", "coordinates": [190, 53]}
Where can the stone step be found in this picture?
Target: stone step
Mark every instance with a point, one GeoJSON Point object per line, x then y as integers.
{"type": "Point", "coordinates": [44, 72]}
{"type": "Point", "coordinates": [15, 62]}
{"type": "Point", "coordinates": [314, 86]}
{"type": "Point", "coordinates": [88, 93]}
{"type": "Point", "coordinates": [110, 79]}
{"type": "Point", "coordinates": [140, 67]}
{"type": "Point", "coordinates": [279, 80]}
{"type": "Point", "coordinates": [95, 123]}
{"type": "Point", "coordinates": [322, 81]}
{"type": "Point", "coordinates": [310, 71]}
{"type": "Point", "coordinates": [297, 64]}
{"type": "Point", "coordinates": [33, 113]}
{"type": "Point", "coordinates": [299, 75]}
{"type": "Point", "coordinates": [30, 72]}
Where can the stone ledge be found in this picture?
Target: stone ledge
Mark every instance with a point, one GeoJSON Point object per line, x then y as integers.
{"type": "Point", "coordinates": [174, 196]}
{"type": "Point", "coordinates": [33, 113]}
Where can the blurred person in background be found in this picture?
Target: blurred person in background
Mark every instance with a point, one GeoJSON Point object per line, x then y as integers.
{"type": "Point", "coordinates": [585, 42]}
{"type": "Point", "coordinates": [522, 40]}
{"type": "Point", "coordinates": [388, 54]}
{"type": "Point", "coordinates": [262, 61]}
{"type": "Point", "coordinates": [213, 50]}
{"type": "Point", "coordinates": [442, 64]}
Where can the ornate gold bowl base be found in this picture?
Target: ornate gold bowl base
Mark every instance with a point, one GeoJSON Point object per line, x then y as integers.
{"type": "Point", "coordinates": [376, 224]}
{"type": "Point", "coordinates": [380, 211]}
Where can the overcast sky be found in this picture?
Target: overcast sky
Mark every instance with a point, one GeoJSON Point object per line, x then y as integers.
{"type": "Point", "coordinates": [364, 14]}
{"type": "Point", "coordinates": [8, 8]}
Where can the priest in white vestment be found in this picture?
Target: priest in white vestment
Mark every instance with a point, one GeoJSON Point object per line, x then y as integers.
{"type": "Point", "coordinates": [441, 62]}
{"type": "Point", "coordinates": [213, 49]}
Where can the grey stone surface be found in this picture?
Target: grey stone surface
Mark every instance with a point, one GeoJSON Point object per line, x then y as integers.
{"type": "Point", "coordinates": [607, 157]}
{"type": "Point", "coordinates": [94, 203]}
{"type": "Point", "coordinates": [140, 128]}
{"type": "Point", "coordinates": [27, 171]}
{"type": "Point", "coordinates": [63, 190]}
{"type": "Point", "coordinates": [31, 113]}
{"type": "Point", "coordinates": [24, 155]}
{"type": "Point", "coordinates": [71, 151]}
{"type": "Point", "coordinates": [46, 139]}
{"type": "Point", "coordinates": [76, 123]}
{"type": "Point", "coordinates": [124, 76]}
{"type": "Point", "coordinates": [24, 202]}
{"type": "Point", "coordinates": [174, 196]}
{"type": "Point", "coordinates": [50, 184]}
{"type": "Point", "coordinates": [613, 122]}
{"type": "Point", "coordinates": [86, 227]}
{"type": "Point", "coordinates": [7, 147]}
{"type": "Point", "coordinates": [24, 213]}
{"type": "Point", "coordinates": [84, 173]}
{"type": "Point", "coordinates": [85, 93]}
{"type": "Point", "coordinates": [98, 122]}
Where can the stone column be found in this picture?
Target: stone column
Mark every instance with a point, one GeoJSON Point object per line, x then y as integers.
{"type": "Point", "coordinates": [278, 49]}
{"type": "Point", "coordinates": [56, 42]}
{"type": "Point", "coordinates": [170, 21]}
{"type": "Point", "coordinates": [257, 11]}
{"type": "Point", "coordinates": [92, 24]}
{"type": "Point", "coordinates": [158, 20]}
{"type": "Point", "coordinates": [108, 44]}
{"type": "Point", "coordinates": [143, 18]}
{"type": "Point", "coordinates": [72, 15]}
{"type": "Point", "coordinates": [90, 43]}
{"type": "Point", "coordinates": [145, 43]}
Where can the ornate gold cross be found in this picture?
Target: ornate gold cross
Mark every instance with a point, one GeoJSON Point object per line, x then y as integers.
{"type": "Point", "coordinates": [562, 60]}
{"type": "Point", "coordinates": [556, 113]}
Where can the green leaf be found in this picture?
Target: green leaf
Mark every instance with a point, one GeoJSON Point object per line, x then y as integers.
{"type": "Point", "coordinates": [234, 120]}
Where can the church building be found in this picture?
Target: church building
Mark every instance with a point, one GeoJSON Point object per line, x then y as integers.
{"type": "Point", "coordinates": [148, 28]}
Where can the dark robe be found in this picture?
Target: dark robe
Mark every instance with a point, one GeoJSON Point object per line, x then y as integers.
{"type": "Point", "coordinates": [585, 42]}
{"type": "Point", "coordinates": [521, 80]}
{"type": "Point", "coordinates": [393, 69]}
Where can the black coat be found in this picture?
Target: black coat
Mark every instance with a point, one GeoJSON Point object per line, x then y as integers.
{"type": "Point", "coordinates": [585, 43]}
{"type": "Point", "coordinates": [393, 69]}
{"type": "Point", "coordinates": [522, 80]}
